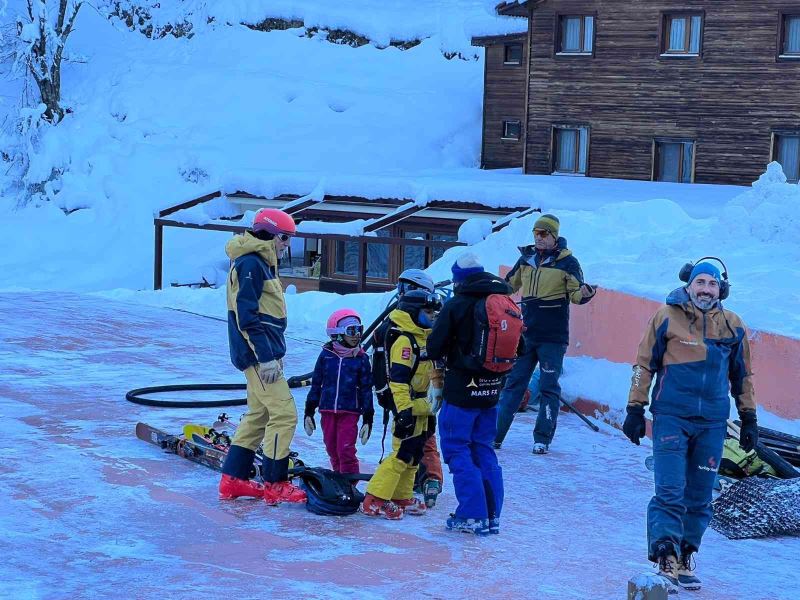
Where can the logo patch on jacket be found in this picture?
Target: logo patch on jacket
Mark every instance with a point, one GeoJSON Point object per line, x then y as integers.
{"type": "Point", "coordinates": [406, 353]}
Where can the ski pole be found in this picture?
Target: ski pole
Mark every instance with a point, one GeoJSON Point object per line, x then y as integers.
{"type": "Point", "coordinates": [591, 425]}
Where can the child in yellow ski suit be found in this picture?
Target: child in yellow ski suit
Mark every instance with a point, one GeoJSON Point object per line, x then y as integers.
{"type": "Point", "coordinates": [390, 492]}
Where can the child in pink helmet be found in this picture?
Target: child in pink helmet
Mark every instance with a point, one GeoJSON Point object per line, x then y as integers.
{"type": "Point", "coordinates": [341, 388]}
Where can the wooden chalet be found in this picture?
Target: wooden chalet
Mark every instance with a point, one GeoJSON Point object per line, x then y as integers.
{"type": "Point", "coordinates": [662, 90]}
{"type": "Point", "coordinates": [348, 243]}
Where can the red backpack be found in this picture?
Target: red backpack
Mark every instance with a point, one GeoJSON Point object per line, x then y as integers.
{"type": "Point", "coordinates": [498, 328]}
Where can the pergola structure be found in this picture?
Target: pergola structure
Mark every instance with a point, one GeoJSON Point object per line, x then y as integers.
{"type": "Point", "coordinates": [402, 232]}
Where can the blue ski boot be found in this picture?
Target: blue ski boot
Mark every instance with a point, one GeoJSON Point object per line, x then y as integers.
{"type": "Point", "coordinates": [476, 526]}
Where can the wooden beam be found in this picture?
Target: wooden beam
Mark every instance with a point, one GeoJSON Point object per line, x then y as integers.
{"type": "Point", "coordinates": [158, 255]}
{"type": "Point", "coordinates": [189, 204]}
{"type": "Point", "coordinates": [294, 207]}
{"type": "Point", "coordinates": [362, 267]}
{"type": "Point", "coordinates": [501, 223]}
{"type": "Point", "coordinates": [396, 216]}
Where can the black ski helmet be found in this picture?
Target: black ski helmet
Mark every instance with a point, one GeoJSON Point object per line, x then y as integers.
{"type": "Point", "coordinates": [415, 300]}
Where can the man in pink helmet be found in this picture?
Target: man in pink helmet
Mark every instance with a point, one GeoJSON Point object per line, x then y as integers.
{"type": "Point", "coordinates": [256, 326]}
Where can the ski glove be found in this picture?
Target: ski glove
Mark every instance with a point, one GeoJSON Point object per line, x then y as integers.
{"type": "Point", "coordinates": [435, 398]}
{"type": "Point", "coordinates": [634, 426]}
{"type": "Point", "coordinates": [269, 372]}
{"type": "Point", "coordinates": [404, 423]}
{"type": "Point", "coordinates": [365, 432]}
{"type": "Point", "coordinates": [748, 434]}
{"type": "Point", "coordinates": [309, 425]}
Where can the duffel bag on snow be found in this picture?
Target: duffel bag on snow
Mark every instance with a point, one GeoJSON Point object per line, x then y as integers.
{"type": "Point", "coordinates": [329, 492]}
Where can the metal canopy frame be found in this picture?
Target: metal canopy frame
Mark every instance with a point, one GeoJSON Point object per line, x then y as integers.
{"type": "Point", "coordinates": [402, 212]}
{"type": "Point", "coordinates": [296, 204]}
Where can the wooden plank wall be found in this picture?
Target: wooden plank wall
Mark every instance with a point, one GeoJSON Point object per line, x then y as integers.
{"type": "Point", "coordinates": [504, 99]}
{"type": "Point", "coordinates": [729, 100]}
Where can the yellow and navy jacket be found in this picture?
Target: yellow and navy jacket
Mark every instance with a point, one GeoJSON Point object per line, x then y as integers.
{"type": "Point", "coordinates": [407, 382]}
{"type": "Point", "coordinates": [697, 358]}
{"type": "Point", "coordinates": [256, 308]}
{"type": "Point", "coordinates": [548, 282]}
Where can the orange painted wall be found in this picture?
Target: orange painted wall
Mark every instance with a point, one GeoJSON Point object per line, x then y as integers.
{"type": "Point", "coordinates": [611, 326]}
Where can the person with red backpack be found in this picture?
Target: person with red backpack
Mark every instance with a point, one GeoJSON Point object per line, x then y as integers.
{"type": "Point", "coordinates": [477, 334]}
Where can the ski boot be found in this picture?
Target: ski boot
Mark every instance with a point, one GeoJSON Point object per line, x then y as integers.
{"type": "Point", "coordinates": [372, 506]}
{"type": "Point", "coordinates": [430, 491]}
{"type": "Point", "coordinates": [412, 506]}
{"type": "Point", "coordinates": [494, 525]}
{"type": "Point", "coordinates": [476, 526]}
{"type": "Point", "coordinates": [539, 448]}
{"type": "Point", "coordinates": [686, 577]}
{"type": "Point", "coordinates": [283, 491]}
{"type": "Point", "coordinates": [668, 566]}
{"type": "Point", "coordinates": [233, 487]}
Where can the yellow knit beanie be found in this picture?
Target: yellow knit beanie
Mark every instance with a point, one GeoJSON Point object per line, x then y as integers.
{"type": "Point", "coordinates": [548, 223]}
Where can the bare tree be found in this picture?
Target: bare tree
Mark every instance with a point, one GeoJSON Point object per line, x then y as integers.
{"type": "Point", "coordinates": [45, 36]}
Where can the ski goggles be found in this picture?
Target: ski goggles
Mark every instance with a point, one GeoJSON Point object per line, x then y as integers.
{"type": "Point", "coordinates": [351, 330]}
{"type": "Point", "coordinates": [432, 302]}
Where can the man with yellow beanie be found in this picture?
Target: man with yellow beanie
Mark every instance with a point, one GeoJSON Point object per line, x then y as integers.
{"type": "Point", "coordinates": [549, 277]}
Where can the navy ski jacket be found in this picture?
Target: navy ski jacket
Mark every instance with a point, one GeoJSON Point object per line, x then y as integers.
{"type": "Point", "coordinates": [341, 384]}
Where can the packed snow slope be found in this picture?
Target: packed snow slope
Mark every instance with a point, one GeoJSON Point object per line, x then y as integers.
{"type": "Point", "coordinates": [90, 511]}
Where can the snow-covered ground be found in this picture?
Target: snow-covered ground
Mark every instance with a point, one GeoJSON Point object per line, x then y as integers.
{"type": "Point", "coordinates": [91, 511]}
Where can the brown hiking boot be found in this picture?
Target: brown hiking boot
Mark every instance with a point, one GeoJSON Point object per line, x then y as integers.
{"type": "Point", "coordinates": [668, 569]}
{"type": "Point", "coordinates": [686, 577]}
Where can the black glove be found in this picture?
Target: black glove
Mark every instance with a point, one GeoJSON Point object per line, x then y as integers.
{"type": "Point", "coordinates": [368, 417]}
{"type": "Point", "coordinates": [634, 426]}
{"type": "Point", "coordinates": [748, 434]}
{"type": "Point", "coordinates": [404, 423]}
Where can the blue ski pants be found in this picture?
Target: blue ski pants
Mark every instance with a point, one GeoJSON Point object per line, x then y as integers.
{"type": "Point", "coordinates": [466, 436]}
{"type": "Point", "coordinates": [686, 453]}
{"type": "Point", "coordinates": [550, 358]}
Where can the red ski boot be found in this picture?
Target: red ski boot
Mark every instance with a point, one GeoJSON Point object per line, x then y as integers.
{"type": "Point", "coordinates": [233, 487]}
{"type": "Point", "coordinates": [283, 491]}
{"type": "Point", "coordinates": [412, 506]}
{"type": "Point", "coordinates": [373, 506]}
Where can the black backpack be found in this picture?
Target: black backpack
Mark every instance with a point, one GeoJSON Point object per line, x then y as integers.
{"type": "Point", "coordinates": [329, 492]}
{"type": "Point", "coordinates": [385, 335]}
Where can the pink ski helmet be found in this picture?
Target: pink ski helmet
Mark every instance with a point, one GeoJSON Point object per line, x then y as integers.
{"type": "Point", "coordinates": [274, 221]}
{"type": "Point", "coordinates": [338, 321]}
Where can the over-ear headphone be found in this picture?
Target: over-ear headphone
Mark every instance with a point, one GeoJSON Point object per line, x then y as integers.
{"type": "Point", "coordinates": [724, 285]}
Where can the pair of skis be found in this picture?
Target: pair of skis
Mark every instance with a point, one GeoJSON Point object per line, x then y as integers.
{"type": "Point", "coordinates": [202, 453]}
{"type": "Point", "coordinates": [203, 445]}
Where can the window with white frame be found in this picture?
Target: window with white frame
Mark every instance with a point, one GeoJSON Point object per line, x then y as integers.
{"type": "Point", "coordinates": [512, 129]}
{"type": "Point", "coordinates": [787, 152]}
{"type": "Point", "coordinates": [682, 35]}
{"type": "Point", "coordinates": [790, 36]}
{"type": "Point", "coordinates": [570, 149]}
{"type": "Point", "coordinates": [673, 161]}
{"type": "Point", "coordinates": [575, 34]}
